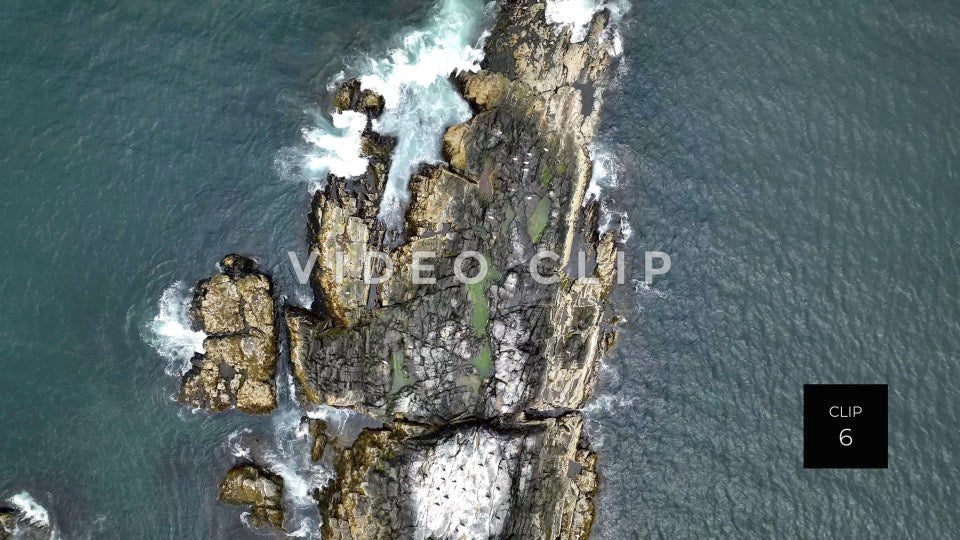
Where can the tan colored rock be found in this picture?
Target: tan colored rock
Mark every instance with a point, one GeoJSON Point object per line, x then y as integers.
{"type": "Point", "coordinates": [236, 311]}
{"type": "Point", "coordinates": [8, 523]}
{"type": "Point", "coordinates": [350, 97]}
{"type": "Point", "coordinates": [484, 89]}
{"type": "Point", "coordinates": [454, 149]}
{"type": "Point", "coordinates": [479, 385]}
{"type": "Point", "coordinates": [261, 490]}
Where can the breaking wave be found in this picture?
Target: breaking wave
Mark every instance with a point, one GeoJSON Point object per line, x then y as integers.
{"type": "Point", "coordinates": [607, 175]}
{"type": "Point", "coordinates": [577, 14]}
{"type": "Point", "coordinates": [32, 512]}
{"type": "Point", "coordinates": [170, 332]}
{"type": "Point", "coordinates": [420, 103]}
{"type": "Point", "coordinates": [336, 143]}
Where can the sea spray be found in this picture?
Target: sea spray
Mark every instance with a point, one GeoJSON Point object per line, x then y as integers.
{"type": "Point", "coordinates": [421, 102]}
{"type": "Point", "coordinates": [336, 144]}
{"type": "Point", "coordinates": [170, 332]}
{"type": "Point", "coordinates": [576, 15]}
{"type": "Point", "coordinates": [33, 513]}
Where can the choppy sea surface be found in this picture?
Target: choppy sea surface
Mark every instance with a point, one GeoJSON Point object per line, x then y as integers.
{"type": "Point", "coordinates": [798, 160]}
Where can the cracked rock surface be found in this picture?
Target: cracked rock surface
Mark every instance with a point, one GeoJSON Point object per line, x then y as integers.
{"type": "Point", "coordinates": [472, 480]}
{"type": "Point", "coordinates": [479, 384]}
{"type": "Point", "coordinates": [235, 308]}
{"type": "Point", "coordinates": [514, 185]}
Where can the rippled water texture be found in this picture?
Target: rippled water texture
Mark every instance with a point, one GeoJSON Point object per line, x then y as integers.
{"type": "Point", "coordinates": [798, 160]}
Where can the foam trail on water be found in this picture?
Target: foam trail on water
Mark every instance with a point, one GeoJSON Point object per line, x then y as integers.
{"type": "Point", "coordinates": [170, 332]}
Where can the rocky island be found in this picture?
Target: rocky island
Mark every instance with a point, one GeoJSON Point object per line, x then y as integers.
{"type": "Point", "coordinates": [477, 384]}
{"type": "Point", "coordinates": [235, 309]}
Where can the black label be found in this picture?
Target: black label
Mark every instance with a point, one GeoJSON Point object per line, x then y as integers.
{"type": "Point", "coordinates": [845, 426]}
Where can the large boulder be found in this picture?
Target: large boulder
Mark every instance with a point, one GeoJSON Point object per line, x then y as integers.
{"type": "Point", "coordinates": [235, 308]}
{"type": "Point", "coordinates": [259, 489]}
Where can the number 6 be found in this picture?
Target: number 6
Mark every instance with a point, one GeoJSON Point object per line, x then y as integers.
{"type": "Point", "coordinates": [845, 440]}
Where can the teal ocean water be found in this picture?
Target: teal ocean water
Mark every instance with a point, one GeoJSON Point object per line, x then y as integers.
{"type": "Point", "coordinates": [797, 160]}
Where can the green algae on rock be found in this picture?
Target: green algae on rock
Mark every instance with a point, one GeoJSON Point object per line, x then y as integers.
{"type": "Point", "coordinates": [479, 385]}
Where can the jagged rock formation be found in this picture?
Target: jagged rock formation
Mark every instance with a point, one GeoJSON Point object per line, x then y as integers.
{"type": "Point", "coordinates": [236, 310]}
{"type": "Point", "coordinates": [479, 383]}
{"type": "Point", "coordinates": [515, 184]}
{"type": "Point", "coordinates": [8, 523]}
{"type": "Point", "coordinates": [261, 490]}
{"type": "Point", "coordinates": [14, 526]}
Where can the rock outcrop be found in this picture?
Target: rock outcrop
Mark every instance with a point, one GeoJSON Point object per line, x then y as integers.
{"type": "Point", "coordinates": [514, 186]}
{"type": "Point", "coordinates": [479, 383]}
{"type": "Point", "coordinates": [261, 490]}
{"type": "Point", "coordinates": [470, 480]}
{"type": "Point", "coordinates": [235, 308]}
{"type": "Point", "coordinates": [15, 526]}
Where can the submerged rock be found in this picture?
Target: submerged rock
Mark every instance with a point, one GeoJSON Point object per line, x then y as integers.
{"type": "Point", "coordinates": [261, 490]}
{"type": "Point", "coordinates": [236, 310]}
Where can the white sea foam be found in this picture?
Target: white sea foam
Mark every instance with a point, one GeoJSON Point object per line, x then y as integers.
{"type": "Point", "coordinates": [289, 455]}
{"type": "Point", "coordinates": [335, 146]}
{"type": "Point", "coordinates": [577, 15]}
{"type": "Point", "coordinates": [573, 14]}
{"type": "Point", "coordinates": [32, 512]}
{"type": "Point", "coordinates": [170, 332]}
{"type": "Point", "coordinates": [607, 174]}
{"type": "Point", "coordinates": [420, 103]}
{"type": "Point", "coordinates": [609, 403]}
{"type": "Point", "coordinates": [606, 170]}
{"type": "Point", "coordinates": [645, 289]}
